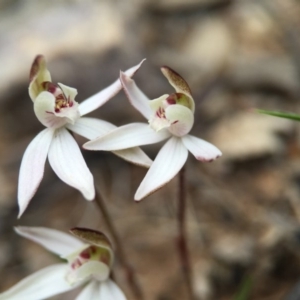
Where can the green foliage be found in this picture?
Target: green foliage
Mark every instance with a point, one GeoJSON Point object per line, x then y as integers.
{"type": "Point", "coordinates": [280, 114]}
{"type": "Point", "coordinates": [245, 289]}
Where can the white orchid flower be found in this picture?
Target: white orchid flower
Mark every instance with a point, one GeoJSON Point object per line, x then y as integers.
{"type": "Point", "coordinates": [170, 117]}
{"type": "Point", "coordinates": [56, 109]}
{"type": "Point", "coordinates": [88, 264]}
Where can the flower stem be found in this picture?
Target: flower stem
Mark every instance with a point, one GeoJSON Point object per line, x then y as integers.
{"type": "Point", "coordinates": [182, 240]}
{"type": "Point", "coordinates": [130, 274]}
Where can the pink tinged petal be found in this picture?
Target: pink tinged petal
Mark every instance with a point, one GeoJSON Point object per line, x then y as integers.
{"type": "Point", "coordinates": [53, 240]}
{"type": "Point", "coordinates": [91, 291]}
{"type": "Point", "coordinates": [166, 165]}
{"type": "Point", "coordinates": [43, 284]}
{"type": "Point", "coordinates": [179, 84]}
{"type": "Point", "coordinates": [181, 119]}
{"type": "Point", "coordinates": [92, 128]}
{"type": "Point", "coordinates": [136, 97]}
{"type": "Point", "coordinates": [127, 136]}
{"type": "Point", "coordinates": [44, 108]}
{"type": "Point", "coordinates": [67, 162]}
{"type": "Point", "coordinates": [103, 96]}
{"type": "Point", "coordinates": [201, 149]}
{"type": "Point", "coordinates": [32, 167]}
{"type": "Point", "coordinates": [38, 74]}
{"type": "Point", "coordinates": [110, 291]}
{"type": "Point", "coordinates": [91, 269]}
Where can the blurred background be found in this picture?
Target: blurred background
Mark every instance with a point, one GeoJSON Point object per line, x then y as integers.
{"type": "Point", "coordinates": [244, 208]}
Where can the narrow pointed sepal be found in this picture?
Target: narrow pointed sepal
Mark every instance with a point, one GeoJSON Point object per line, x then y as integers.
{"type": "Point", "coordinates": [68, 163]}
{"type": "Point", "coordinates": [43, 284]}
{"type": "Point", "coordinates": [53, 240]}
{"type": "Point", "coordinates": [127, 136]}
{"type": "Point", "coordinates": [32, 167]}
{"type": "Point", "coordinates": [103, 96]}
{"type": "Point", "coordinates": [166, 165]}
{"type": "Point", "coordinates": [135, 96]}
{"type": "Point", "coordinates": [202, 150]}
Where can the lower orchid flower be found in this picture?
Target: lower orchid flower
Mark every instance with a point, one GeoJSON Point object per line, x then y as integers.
{"type": "Point", "coordinates": [170, 117]}
{"type": "Point", "coordinates": [56, 108]}
{"type": "Point", "coordinates": [89, 261]}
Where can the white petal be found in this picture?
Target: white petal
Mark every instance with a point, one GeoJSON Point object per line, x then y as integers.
{"type": "Point", "coordinates": [166, 165]}
{"type": "Point", "coordinates": [136, 97]}
{"type": "Point", "coordinates": [53, 240]}
{"type": "Point", "coordinates": [110, 291]}
{"type": "Point", "coordinates": [67, 162]}
{"type": "Point", "coordinates": [32, 167]}
{"type": "Point", "coordinates": [91, 128]}
{"type": "Point", "coordinates": [90, 292]}
{"type": "Point", "coordinates": [44, 106]}
{"type": "Point", "coordinates": [43, 284]}
{"type": "Point", "coordinates": [201, 149]}
{"type": "Point", "coordinates": [103, 96]}
{"type": "Point", "coordinates": [127, 136]}
{"type": "Point", "coordinates": [181, 118]}
{"type": "Point", "coordinates": [135, 156]}
{"type": "Point", "coordinates": [92, 268]}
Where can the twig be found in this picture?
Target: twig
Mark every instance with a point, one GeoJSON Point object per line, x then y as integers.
{"type": "Point", "coordinates": [130, 274]}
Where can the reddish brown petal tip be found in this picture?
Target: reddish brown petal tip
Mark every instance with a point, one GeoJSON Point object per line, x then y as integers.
{"type": "Point", "coordinates": [176, 80]}
{"type": "Point", "coordinates": [91, 236]}
{"type": "Point", "coordinates": [38, 61]}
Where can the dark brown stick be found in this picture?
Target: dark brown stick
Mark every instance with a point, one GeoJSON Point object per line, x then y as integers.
{"type": "Point", "coordinates": [130, 274]}
{"type": "Point", "coordinates": [182, 241]}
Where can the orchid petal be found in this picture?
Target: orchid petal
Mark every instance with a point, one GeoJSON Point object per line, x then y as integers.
{"type": "Point", "coordinates": [179, 84]}
{"type": "Point", "coordinates": [136, 97]}
{"type": "Point", "coordinates": [166, 165]}
{"type": "Point", "coordinates": [67, 162]}
{"type": "Point", "coordinates": [91, 291]}
{"type": "Point", "coordinates": [38, 74]}
{"type": "Point", "coordinates": [103, 96]}
{"type": "Point", "coordinates": [32, 167]}
{"type": "Point", "coordinates": [181, 119]}
{"type": "Point", "coordinates": [135, 155]}
{"type": "Point", "coordinates": [92, 268]}
{"type": "Point", "coordinates": [92, 128]}
{"type": "Point", "coordinates": [202, 150]}
{"type": "Point", "coordinates": [43, 284]}
{"type": "Point", "coordinates": [110, 291]}
{"type": "Point", "coordinates": [53, 240]}
{"type": "Point", "coordinates": [44, 106]}
{"type": "Point", "coordinates": [127, 136]}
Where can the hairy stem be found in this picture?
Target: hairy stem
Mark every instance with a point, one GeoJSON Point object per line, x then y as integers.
{"type": "Point", "coordinates": [182, 239]}
{"type": "Point", "coordinates": [130, 274]}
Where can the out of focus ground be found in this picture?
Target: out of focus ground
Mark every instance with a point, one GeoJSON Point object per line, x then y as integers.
{"type": "Point", "coordinates": [244, 209]}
